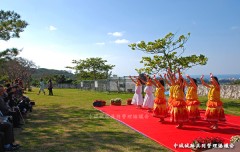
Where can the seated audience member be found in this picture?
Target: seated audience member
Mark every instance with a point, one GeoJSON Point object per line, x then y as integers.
{"type": "Point", "coordinates": [8, 111]}
{"type": "Point", "coordinates": [8, 136]}
{"type": "Point", "coordinates": [1, 141]}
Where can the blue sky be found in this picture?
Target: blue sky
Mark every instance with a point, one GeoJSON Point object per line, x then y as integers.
{"type": "Point", "coordinates": [62, 30]}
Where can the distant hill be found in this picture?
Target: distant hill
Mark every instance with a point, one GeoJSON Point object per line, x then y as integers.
{"type": "Point", "coordinates": [42, 72]}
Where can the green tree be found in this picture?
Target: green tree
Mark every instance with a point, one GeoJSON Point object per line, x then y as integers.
{"type": "Point", "coordinates": [167, 53]}
{"type": "Point", "coordinates": [11, 26]}
{"type": "Point", "coordinates": [236, 82]}
{"type": "Point", "coordinates": [60, 78]}
{"type": "Point", "coordinates": [92, 68]}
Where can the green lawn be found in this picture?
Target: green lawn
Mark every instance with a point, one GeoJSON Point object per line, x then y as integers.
{"type": "Point", "coordinates": [67, 122]}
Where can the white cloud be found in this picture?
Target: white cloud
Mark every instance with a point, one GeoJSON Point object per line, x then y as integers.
{"type": "Point", "coordinates": [121, 41]}
{"type": "Point", "coordinates": [52, 28]}
{"type": "Point", "coordinates": [116, 34]}
{"type": "Point", "coordinates": [51, 57]}
{"type": "Point", "coordinates": [235, 28]}
{"type": "Point", "coordinates": [100, 43]}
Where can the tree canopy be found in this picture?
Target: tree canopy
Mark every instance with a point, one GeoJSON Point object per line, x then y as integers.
{"type": "Point", "coordinates": [92, 68]}
{"type": "Point", "coordinates": [11, 26]}
{"type": "Point", "coordinates": [18, 68]}
{"type": "Point", "coordinates": [8, 54]}
{"type": "Point", "coordinates": [167, 53]}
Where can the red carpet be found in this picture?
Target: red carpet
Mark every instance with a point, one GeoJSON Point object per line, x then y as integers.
{"type": "Point", "coordinates": [167, 134]}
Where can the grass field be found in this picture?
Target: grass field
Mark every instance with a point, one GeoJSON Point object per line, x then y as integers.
{"type": "Point", "coordinates": [67, 122]}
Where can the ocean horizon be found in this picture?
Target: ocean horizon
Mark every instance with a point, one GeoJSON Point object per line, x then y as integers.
{"type": "Point", "coordinates": [219, 76]}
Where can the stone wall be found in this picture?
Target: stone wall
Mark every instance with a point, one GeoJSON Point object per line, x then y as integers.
{"type": "Point", "coordinates": [72, 86]}
{"type": "Point", "coordinates": [227, 91]}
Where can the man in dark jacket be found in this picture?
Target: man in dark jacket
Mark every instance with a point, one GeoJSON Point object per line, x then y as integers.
{"type": "Point", "coordinates": [8, 136]}
{"type": "Point", "coordinates": [50, 87]}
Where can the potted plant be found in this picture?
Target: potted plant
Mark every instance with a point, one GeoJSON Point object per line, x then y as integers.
{"type": "Point", "coordinates": [116, 102]}
{"type": "Point", "coordinates": [99, 103]}
{"type": "Point", "coordinates": [129, 101]}
{"type": "Point", "coordinates": [235, 139]}
{"type": "Point", "coordinates": [202, 144]}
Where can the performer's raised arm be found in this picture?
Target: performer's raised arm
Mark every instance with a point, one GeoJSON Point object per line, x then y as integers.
{"type": "Point", "coordinates": [132, 79]}
{"type": "Point", "coordinates": [159, 83]}
{"type": "Point", "coordinates": [180, 78]}
{"type": "Point", "coordinates": [186, 83]}
{"type": "Point", "coordinates": [171, 76]}
{"type": "Point", "coordinates": [142, 79]}
{"type": "Point", "coordinates": [204, 83]}
{"type": "Point", "coordinates": [192, 81]}
{"type": "Point", "coordinates": [155, 81]}
{"type": "Point", "coordinates": [166, 80]}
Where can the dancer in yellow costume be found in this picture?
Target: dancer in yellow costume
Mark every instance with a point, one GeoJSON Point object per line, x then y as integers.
{"type": "Point", "coordinates": [179, 112]}
{"type": "Point", "coordinates": [160, 107]}
{"type": "Point", "coordinates": [192, 100]}
{"type": "Point", "coordinates": [170, 80]}
{"type": "Point", "coordinates": [214, 111]}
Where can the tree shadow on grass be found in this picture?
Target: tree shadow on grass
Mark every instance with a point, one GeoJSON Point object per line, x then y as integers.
{"type": "Point", "coordinates": [77, 129]}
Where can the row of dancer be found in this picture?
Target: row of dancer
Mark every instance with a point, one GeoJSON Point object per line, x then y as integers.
{"type": "Point", "coordinates": [180, 107]}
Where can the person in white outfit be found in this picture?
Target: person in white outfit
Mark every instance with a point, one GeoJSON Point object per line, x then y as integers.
{"type": "Point", "coordinates": [41, 89]}
{"type": "Point", "coordinates": [149, 98]}
{"type": "Point", "coordinates": [137, 97]}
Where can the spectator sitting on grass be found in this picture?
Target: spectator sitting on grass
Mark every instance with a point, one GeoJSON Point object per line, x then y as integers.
{"type": "Point", "coordinates": [7, 129]}
{"type": "Point", "coordinates": [7, 110]}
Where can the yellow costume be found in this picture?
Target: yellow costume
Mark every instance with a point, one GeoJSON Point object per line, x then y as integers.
{"type": "Point", "coordinates": [192, 103]}
{"type": "Point", "coordinates": [214, 110]}
{"type": "Point", "coordinates": [179, 111]}
{"type": "Point", "coordinates": [171, 97]}
{"type": "Point", "coordinates": [160, 107]}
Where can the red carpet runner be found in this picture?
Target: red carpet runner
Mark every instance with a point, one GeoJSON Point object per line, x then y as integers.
{"type": "Point", "coordinates": [167, 134]}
